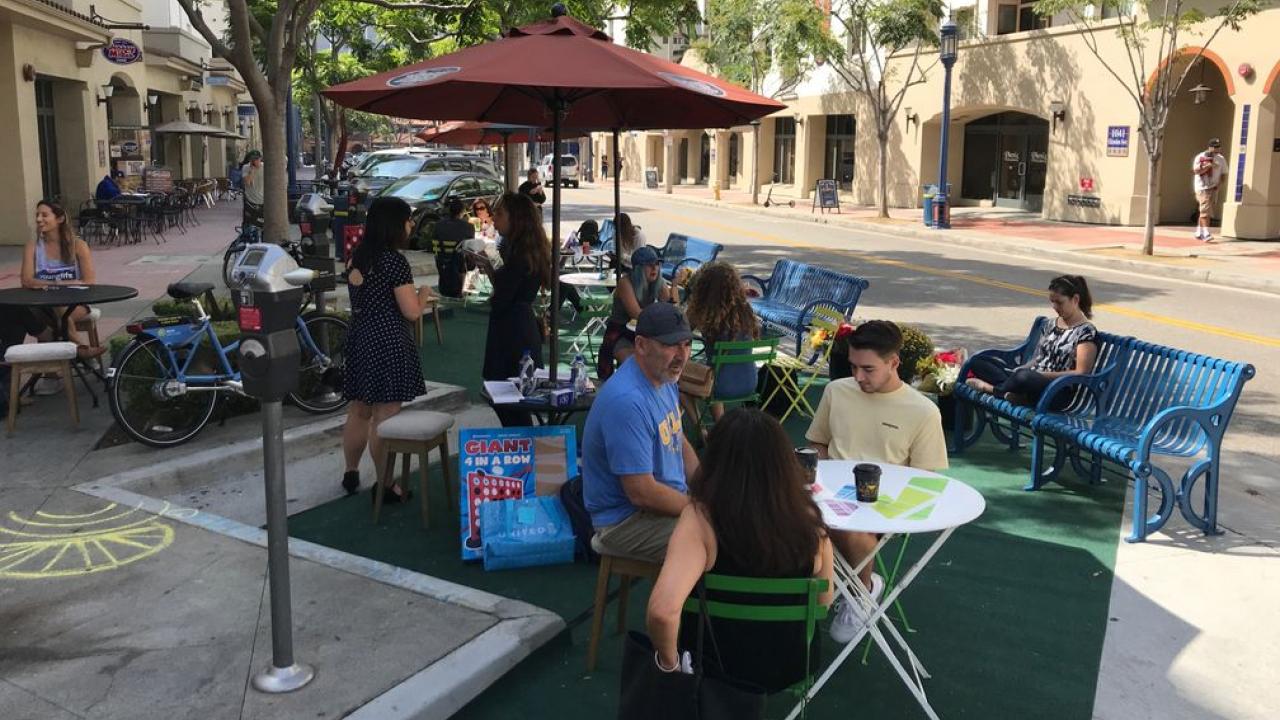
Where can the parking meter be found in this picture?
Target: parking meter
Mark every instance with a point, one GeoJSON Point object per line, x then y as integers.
{"type": "Point", "coordinates": [266, 286]}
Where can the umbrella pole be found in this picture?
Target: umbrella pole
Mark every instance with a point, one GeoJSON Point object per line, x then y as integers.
{"type": "Point", "coordinates": [557, 107]}
{"type": "Point", "coordinates": [617, 212]}
{"type": "Point", "coordinates": [506, 159]}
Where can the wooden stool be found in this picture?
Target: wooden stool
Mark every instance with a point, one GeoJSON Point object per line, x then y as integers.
{"type": "Point", "coordinates": [90, 325]}
{"type": "Point", "coordinates": [415, 432]}
{"type": "Point", "coordinates": [35, 358]}
{"type": "Point", "coordinates": [627, 569]}
{"type": "Point", "coordinates": [433, 309]}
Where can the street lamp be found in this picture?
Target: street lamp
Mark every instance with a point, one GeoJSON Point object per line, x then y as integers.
{"type": "Point", "coordinates": [947, 42]}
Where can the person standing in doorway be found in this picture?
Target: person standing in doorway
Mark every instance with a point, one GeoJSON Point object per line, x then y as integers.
{"type": "Point", "coordinates": [1209, 168]}
{"type": "Point", "coordinates": [251, 178]}
{"type": "Point", "coordinates": [604, 167]}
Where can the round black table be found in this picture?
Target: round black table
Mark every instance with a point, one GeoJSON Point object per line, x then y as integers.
{"type": "Point", "coordinates": [543, 411]}
{"type": "Point", "coordinates": [69, 295]}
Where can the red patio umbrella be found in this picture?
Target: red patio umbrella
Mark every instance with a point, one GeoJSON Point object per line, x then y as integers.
{"type": "Point", "coordinates": [558, 72]}
{"type": "Point", "coordinates": [468, 132]}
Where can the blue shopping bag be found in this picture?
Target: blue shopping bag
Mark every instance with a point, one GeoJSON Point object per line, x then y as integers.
{"type": "Point", "coordinates": [526, 532]}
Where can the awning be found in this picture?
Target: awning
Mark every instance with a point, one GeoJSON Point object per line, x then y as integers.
{"type": "Point", "coordinates": [184, 127]}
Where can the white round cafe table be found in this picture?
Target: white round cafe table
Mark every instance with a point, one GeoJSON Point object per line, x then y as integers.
{"type": "Point", "coordinates": [926, 511]}
{"type": "Point", "coordinates": [910, 501]}
{"type": "Point", "coordinates": [589, 279]}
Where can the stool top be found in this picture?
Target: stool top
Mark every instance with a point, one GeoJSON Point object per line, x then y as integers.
{"type": "Point", "coordinates": [40, 352]}
{"type": "Point", "coordinates": [415, 425]}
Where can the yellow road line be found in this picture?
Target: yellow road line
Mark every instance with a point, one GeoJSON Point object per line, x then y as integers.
{"type": "Point", "coordinates": [1263, 340]}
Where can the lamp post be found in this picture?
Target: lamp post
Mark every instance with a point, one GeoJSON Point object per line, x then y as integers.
{"type": "Point", "coordinates": [947, 54]}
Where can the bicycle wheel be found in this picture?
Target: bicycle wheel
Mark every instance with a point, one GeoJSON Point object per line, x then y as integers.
{"type": "Point", "coordinates": [145, 403]}
{"type": "Point", "coordinates": [320, 374]}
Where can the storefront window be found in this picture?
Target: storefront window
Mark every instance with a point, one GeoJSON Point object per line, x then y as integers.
{"type": "Point", "coordinates": [51, 182]}
{"type": "Point", "coordinates": [838, 156]}
{"type": "Point", "coordinates": [1019, 17]}
{"type": "Point", "coordinates": [784, 150]}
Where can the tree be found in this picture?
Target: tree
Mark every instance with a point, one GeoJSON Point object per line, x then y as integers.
{"type": "Point", "coordinates": [755, 43]}
{"type": "Point", "coordinates": [877, 30]}
{"type": "Point", "coordinates": [264, 38]}
{"type": "Point", "coordinates": [1152, 34]}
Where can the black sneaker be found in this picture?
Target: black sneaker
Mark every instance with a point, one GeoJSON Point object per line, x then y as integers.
{"type": "Point", "coordinates": [351, 481]}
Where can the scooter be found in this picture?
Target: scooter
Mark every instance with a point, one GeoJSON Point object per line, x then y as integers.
{"type": "Point", "coordinates": [768, 200]}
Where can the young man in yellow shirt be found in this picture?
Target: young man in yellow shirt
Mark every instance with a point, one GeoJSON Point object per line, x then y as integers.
{"type": "Point", "coordinates": [874, 417]}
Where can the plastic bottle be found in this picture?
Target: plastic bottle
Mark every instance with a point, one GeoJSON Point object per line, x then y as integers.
{"type": "Point", "coordinates": [578, 373]}
{"type": "Point", "coordinates": [527, 383]}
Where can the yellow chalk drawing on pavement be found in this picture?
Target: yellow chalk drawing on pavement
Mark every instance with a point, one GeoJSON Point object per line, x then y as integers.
{"type": "Point", "coordinates": [48, 545]}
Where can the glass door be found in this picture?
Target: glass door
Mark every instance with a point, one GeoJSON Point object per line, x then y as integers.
{"type": "Point", "coordinates": [1012, 170]}
{"type": "Point", "coordinates": [1037, 169]}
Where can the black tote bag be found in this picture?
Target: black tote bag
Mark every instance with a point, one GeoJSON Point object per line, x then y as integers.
{"type": "Point", "coordinates": [647, 693]}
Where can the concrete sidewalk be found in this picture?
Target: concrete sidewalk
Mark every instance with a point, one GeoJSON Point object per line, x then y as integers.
{"type": "Point", "coordinates": [1226, 262]}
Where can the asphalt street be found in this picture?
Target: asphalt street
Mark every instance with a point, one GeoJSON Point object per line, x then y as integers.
{"type": "Point", "coordinates": [968, 297]}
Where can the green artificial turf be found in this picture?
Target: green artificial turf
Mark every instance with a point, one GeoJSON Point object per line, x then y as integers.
{"type": "Point", "coordinates": [1009, 617]}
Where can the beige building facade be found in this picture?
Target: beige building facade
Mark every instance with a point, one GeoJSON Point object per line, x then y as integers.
{"type": "Point", "coordinates": [1037, 124]}
{"type": "Point", "coordinates": [72, 115]}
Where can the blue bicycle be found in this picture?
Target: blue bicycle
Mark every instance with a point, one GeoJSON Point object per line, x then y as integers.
{"type": "Point", "coordinates": [166, 383]}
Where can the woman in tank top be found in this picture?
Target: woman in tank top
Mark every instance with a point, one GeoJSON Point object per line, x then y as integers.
{"type": "Point", "coordinates": [57, 257]}
{"type": "Point", "coordinates": [749, 515]}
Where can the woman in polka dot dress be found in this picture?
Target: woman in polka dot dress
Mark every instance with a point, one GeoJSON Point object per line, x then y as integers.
{"type": "Point", "coordinates": [383, 369]}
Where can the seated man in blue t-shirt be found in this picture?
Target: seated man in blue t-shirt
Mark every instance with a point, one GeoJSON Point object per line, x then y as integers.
{"type": "Point", "coordinates": [635, 457]}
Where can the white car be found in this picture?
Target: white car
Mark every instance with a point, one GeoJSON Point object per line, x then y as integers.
{"type": "Point", "coordinates": [568, 170]}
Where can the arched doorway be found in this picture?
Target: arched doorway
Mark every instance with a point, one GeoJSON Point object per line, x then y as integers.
{"type": "Point", "coordinates": [1195, 116]}
{"type": "Point", "coordinates": [1006, 160]}
{"type": "Point", "coordinates": [731, 177]}
{"type": "Point", "coordinates": [704, 166]}
{"type": "Point", "coordinates": [682, 160]}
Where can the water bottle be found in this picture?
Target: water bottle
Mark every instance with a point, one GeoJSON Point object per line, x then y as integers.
{"type": "Point", "coordinates": [527, 383]}
{"type": "Point", "coordinates": [578, 374]}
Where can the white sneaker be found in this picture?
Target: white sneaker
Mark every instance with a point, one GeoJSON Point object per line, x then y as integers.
{"type": "Point", "coordinates": [1199, 233]}
{"type": "Point", "coordinates": [1207, 237]}
{"type": "Point", "coordinates": [847, 620]}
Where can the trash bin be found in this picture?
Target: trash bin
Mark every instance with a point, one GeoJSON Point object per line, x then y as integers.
{"type": "Point", "coordinates": [926, 199]}
{"type": "Point", "coordinates": [941, 207]}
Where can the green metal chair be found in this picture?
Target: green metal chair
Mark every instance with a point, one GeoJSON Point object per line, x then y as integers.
{"type": "Point", "coordinates": [793, 376]}
{"type": "Point", "coordinates": [809, 613]}
{"type": "Point", "coordinates": [761, 352]}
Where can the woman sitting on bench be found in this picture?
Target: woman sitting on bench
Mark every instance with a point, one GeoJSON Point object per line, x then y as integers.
{"type": "Point", "coordinates": [1068, 345]}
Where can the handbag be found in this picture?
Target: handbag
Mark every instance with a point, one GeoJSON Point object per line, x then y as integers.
{"type": "Point", "coordinates": [648, 693]}
{"type": "Point", "coordinates": [697, 380]}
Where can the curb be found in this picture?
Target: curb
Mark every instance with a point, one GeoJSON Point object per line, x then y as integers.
{"type": "Point", "coordinates": [1206, 276]}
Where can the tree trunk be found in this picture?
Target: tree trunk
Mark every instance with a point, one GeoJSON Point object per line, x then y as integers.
{"type": "Point", "coordinates": [1153, 182]}
{"type": "Point", "coordinates": [883, 142]}
{"type": "Point", "coordinates": [275, 206]}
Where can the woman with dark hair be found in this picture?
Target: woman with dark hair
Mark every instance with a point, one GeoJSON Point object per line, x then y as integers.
{"type": "Point", "coordinates": [718, 308]}
{"type": "Point", "coordinates": [57, 257]}
{"type": "Point", "coordinates": [482, 219]}
{"type": "Point", "coordinates": [636, 290]}
{"type": "Point", "coordinates": [383, 369]}
{"type": "Point", "coordinates": [1068, 345]}
{"type": "Point", "coordinates": [629, 238]}
{"type": "Point", "coordinates": [526, 269]}
{"type": "Point", "coordinates": [749, 515]}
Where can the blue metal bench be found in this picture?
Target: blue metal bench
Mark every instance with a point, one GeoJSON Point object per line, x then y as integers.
{"type": "Point", "coordinates": [684, 251]}
{"type": "Point", "coordinates": [1142, 399]}
{"type": "Point", "coordinates": [789, 296]}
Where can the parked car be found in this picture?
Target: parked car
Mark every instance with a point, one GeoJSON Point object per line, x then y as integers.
{"type": "Point", "coordinates": [386, 171]}
{"type": "Point", "coordinates": [568, 170]}
{"type": "Point", "coordinates": [427, 194]}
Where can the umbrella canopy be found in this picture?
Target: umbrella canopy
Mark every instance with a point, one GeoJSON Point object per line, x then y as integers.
{"type": "Point", "coordinates": [512, 80]}
{"type": "Point", "coordinates": [480, 133]}
{"type": "Point", "coordinates": [184, 127]}
{"type": "Point", "coordinates": [227, 135]}
{"type": "Point", "coordinates": [559, 73]}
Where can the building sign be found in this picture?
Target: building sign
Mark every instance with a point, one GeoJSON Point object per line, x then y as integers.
{"type": "Point", "coordinates": [651, 178]}
{"type": "Point", "coordinates": [217, 81]}
{"type": "Point", "coordinates": [247, 110]}
{"type": "Point", "coordinates": [1118, 141]}
{"type": "Point", "coordinates": [1039, 157]}
{"type": "Point", "coordinates": [826, 196]}
{"type": "Point", "coordinates": [122, 52]}
{"type": "Point", "coordinates": [1086, 184]}
{"type": "Point", "coordinates": [1013, 157]}
{"type": "Point", "coordinates": [1087, 201]}
{"type": "Point", "coordinates": [129, 147]}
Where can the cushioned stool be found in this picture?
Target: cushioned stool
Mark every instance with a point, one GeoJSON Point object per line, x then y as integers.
{"type": "Point", "coordinates": [50, 357]}
{"type": "Point", "coordinates": [415, 432]}
{"type": "Point", "coordinates": [625, 568]}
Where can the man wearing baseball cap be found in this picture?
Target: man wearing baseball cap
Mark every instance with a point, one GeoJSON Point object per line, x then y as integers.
{"type": "Point", "coordinates": [1207, 169]}
{"type": "Point", "coordinates": [635, 457]}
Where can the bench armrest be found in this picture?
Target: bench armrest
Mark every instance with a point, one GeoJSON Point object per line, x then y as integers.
{"type": "Point", "coordinates": [1202, 416]}
{"type": "Point", "coordinates": [1094, 382]}
{"type": "Point", "coordinates": [762, 283]}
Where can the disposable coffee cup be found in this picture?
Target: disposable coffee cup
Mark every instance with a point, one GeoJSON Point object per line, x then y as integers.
{"type": "Point", "coordinates": [866, 481]}
{"type": "Point", "coordinates": [808, 459]}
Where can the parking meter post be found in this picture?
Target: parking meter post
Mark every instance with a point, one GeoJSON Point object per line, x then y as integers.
{"type": "Point", "coordinates": [265, 286]}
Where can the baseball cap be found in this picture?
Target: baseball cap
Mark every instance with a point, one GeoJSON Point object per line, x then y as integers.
{"type": "Point", "coordinates": [644, 255]}
{"type": "Point", "coordinates": [1214, 142]}
{"type": "Point", "coordinates": [665, 323]}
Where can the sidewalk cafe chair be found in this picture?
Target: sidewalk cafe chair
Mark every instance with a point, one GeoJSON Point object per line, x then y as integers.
{"type": "Point", "coordinates": [409, 433]}
{"type": "Point", "coordinates": [761, 353]}
{"type": "Point", "coordinates": [793, 376]}
{"type": "Point", "coordinates": [763, 609]}
{"type": "Point", "coordinates": [36, 359]}
{"type": "Point", "coordinates": [627, 569]}
{"type": "Point", "coordinates": [432, 309]}
{"type": "Point", "coordinates": [595, 312]}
